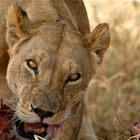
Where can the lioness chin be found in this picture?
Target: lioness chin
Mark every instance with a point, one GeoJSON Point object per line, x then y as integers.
{"type": "Point", "coordinates": [51, 58]}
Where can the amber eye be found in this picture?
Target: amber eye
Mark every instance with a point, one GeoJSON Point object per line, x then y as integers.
{"type": "Point", "coordinates": [32, 65]}
{"type": "Point", "coordinates": [74, 77]}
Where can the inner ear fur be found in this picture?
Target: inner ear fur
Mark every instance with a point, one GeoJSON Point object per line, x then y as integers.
{"type": "Point", "coordinates": [99, 40]}
{"type": "Point", "coordinates": [17, 21]}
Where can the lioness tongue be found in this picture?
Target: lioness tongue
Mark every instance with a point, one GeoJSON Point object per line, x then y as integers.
{"type": "Point", "coordinates": [39, 128]}
{"type": "Point", "coordinates": [36, 128]}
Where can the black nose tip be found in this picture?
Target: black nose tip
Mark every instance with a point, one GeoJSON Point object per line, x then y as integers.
{"type": "Point", "coordinates": [41, 113]}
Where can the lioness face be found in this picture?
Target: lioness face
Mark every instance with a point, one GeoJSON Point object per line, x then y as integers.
{"type": "Point", "coordinates": [49, 71]}
{"type": "Point", "coordinates": [50, 74]}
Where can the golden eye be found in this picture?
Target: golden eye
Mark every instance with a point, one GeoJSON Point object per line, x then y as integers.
{"type": "Point", "coordinates": [32, 65]}
{"type": "Point", "coordinates": [74, 77]}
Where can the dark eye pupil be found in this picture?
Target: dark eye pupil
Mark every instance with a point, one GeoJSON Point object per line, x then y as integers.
{"type": "Point", "coordinates": [32, 65]}
{"type": "Point", "coordinates": [74, 77]}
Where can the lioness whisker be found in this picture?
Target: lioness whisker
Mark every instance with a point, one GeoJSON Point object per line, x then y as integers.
{"type": "Point", "coordinates": [13, 120]}
{"type": "Point", "coordinates": [7, 100]}
{"type": "Point", "coordinates": [11, 102]}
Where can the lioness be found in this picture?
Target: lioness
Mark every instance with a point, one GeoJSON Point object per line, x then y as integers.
{"type": "Point", "coordinates": [50, 60]}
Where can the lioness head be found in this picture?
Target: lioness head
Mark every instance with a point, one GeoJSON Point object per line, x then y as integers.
{"type": "Point", "coordinates": [50, 66]}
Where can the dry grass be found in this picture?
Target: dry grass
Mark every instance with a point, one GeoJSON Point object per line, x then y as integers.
{"type": "Point", "coordinates": [114, 94]}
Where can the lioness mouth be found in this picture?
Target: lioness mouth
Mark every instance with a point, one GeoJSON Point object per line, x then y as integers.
{"type": "Point", "coordinates": [28, 130]}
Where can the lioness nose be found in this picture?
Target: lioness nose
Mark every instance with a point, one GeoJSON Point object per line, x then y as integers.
{"type": "Point", "coordinates": [41, 113]}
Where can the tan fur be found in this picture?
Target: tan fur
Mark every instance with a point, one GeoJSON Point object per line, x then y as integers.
{"type": "Point", "coordinates": [53, 33]}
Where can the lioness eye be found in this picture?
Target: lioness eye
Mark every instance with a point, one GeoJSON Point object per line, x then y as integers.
{"type": "Point", "coordinates": [32, 65]}
{"type": "Point", "coordinates": [74, 77]}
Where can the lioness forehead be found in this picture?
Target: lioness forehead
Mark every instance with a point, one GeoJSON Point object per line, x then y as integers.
{"type": "Point", "coordinates": [56, 41]}
{"type": "Point", "coordinates": [58, 36]}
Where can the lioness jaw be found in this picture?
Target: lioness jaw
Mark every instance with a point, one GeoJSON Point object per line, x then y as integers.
{"type": "Point", "coordinates": [50, 61]}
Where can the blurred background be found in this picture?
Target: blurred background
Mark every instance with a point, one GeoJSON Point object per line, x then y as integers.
{"type": "Point", "coordinates": [114, 93]}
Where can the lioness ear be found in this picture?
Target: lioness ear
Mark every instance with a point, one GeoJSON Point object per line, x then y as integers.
{"type": "Point", "coordinates": [99, 40]}
{"type": "Point", "coordinates": [16, 24]}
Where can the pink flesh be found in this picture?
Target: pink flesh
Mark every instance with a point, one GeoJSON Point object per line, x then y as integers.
{"type": "Point", "coordinates": [135, 129]}
{"type": "Point", "coordinates": [53, 129]}
{"type": "Point", "coordinates": [5, 122]}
